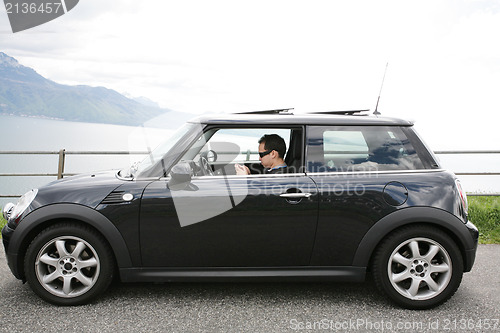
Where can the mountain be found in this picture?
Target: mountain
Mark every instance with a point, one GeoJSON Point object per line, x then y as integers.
{"type": "Point", "coordinates": [142, 100]}
{"type": "Point", "coordinates": [24, 92]}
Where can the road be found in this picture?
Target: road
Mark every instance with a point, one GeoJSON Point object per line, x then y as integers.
{"type": "Point", "coordinates": [256, 307]}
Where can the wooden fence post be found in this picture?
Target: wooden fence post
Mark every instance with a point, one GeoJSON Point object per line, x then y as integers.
{"type": "Point", "coordinates": [60, 169]}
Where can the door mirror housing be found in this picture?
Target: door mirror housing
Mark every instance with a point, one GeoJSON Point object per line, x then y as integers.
{"type": "Point", "coordinates": [180, 177]}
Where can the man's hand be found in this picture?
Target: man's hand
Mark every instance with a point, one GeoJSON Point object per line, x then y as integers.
{"type": "Point", "coordinates": [241, 169]}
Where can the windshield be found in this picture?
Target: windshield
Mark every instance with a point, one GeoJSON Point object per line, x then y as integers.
{"type": "Point", "coordinates": [160, 151]}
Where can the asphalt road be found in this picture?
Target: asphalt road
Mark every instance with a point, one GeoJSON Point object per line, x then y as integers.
{"type": "Point", "coordinates": [257, 307]}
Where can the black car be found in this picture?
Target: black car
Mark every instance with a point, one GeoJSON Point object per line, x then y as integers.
{"type": "Point", "coordinates": [356, 194]}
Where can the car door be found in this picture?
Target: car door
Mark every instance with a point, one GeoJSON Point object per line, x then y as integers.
{"type": "Point", "coordinates": [226, 220]}
{"type": "Point", "coordinates": [362, 173]}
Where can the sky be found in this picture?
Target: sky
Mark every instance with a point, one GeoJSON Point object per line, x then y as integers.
{"type": "Point", "coordinates": [199, 56]}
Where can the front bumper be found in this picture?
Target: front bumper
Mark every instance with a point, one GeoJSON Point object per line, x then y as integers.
{"type": "Point", "coordinates": [6, 235]}
{"type": "Point", "coordinates": [11, 258]}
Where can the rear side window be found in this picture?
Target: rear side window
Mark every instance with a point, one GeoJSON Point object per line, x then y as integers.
{"type": "Point", "coordinates": [359, 148]}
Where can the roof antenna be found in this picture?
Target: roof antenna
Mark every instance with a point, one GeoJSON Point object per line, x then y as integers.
{"type": "Point", "coordinates": [380, 92]}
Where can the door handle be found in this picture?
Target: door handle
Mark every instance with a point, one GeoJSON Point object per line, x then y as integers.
{"type": "Point", "coordinates": [295, 195]}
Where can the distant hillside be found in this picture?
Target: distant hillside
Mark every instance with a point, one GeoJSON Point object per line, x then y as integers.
{"type": "Point", "coordinates": [24, 92]}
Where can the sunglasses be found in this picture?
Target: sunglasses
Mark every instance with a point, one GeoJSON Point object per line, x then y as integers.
{"type": "Point", "coordinates": [264, 153]}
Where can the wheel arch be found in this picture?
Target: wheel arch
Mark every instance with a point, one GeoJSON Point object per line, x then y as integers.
{"type": "Point", "coordinates": [41, 218]}
{"type": "Point", "coordinates": [435, 217]}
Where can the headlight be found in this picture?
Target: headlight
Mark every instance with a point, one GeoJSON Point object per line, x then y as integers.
{"type": "Point", "coordinates": [7, 210]}
{"type": "Point", "coordinates": [22, 205]}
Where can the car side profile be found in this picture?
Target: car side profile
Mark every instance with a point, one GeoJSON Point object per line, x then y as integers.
{"type": "Point", "coordinates": [359, 195]}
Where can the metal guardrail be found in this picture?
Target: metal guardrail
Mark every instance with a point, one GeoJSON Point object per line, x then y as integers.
{"type": "Point", "coordinates": [456, 152]}
{"type": "Point", "coordinates": [62, 158]}
{"type": "Point", "coordinates": [60, 165]}
{"type": "Point", "coordinates": [477, 152]}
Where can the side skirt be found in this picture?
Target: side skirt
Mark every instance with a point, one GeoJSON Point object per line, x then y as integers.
{"type": "Point", "coordinates": [222, 274]}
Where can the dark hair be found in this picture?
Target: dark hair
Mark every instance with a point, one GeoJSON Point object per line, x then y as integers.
{"type": "Point", "coordinates": [274, 142]}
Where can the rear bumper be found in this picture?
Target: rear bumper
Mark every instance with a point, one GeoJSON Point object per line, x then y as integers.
{"type": "Point", "coordinates": [470, 257]}
{"type": "Point", "coordinates": [470, 254]}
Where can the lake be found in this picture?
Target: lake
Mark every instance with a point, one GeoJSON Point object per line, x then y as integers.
{"type": "Point", "coordinates": [33, 134]}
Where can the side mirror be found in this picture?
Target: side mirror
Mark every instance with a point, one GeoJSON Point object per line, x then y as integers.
{"type": "Point", "coordinates": [180, 177]}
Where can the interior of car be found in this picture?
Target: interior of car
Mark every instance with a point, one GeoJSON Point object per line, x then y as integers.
{"type": "Point", "coordinates": [218, 150]}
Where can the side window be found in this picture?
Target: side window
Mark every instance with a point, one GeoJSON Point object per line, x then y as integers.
{"type": "Point", "coordinates": [357, 148]}
{"type": "Point", "coordinates": [245, 140]}
{"type": "Point", "coordinates": [343, 149]}
{"type": "Point", "coordinates": [222, 148]}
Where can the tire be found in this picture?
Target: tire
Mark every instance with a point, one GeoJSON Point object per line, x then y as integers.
{"type": "Point", "coordinates": [68, 264]}
{"type": "Point", "coordinates": [418, 267]}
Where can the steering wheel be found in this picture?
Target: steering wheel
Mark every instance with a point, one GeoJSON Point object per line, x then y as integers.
{"type": "Point", "coordinates": [206, 170]}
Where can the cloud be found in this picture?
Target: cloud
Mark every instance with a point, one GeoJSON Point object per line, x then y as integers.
{"type": "Point", "coordinates": [202, 56]}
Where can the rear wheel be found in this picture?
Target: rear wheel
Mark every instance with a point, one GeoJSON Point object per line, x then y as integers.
{"type": "Point", "coordinates": [68, 264]}
{"type": "Point", "coordinates": [418, 267]}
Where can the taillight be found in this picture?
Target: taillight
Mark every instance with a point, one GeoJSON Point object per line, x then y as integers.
{"type": "Point", "coordinates": [463, 197]}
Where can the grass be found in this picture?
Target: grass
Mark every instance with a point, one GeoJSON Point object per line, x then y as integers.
{"type": "Point", "coordinates": [484, 212]}
{"type": "Point", "coordinates": [2, 221]}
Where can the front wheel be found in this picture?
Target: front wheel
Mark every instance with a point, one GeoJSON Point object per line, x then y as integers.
{"type": "Point", "coordinates": [418, 267]}
{"type": "Point", "coordinates": [68, 264]}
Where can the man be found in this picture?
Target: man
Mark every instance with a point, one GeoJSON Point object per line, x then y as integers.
{"type": "Point", "coordinates": [272, 150]}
